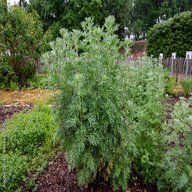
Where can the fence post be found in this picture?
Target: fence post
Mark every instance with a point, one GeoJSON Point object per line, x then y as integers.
{"type": "Point", "coordinates": [188, 57]}
{"type": "Point", "coordinates": [178, 64]}
{"type": "Point", "coordinates": [161, 58]}
{"type": "Point", "coordinates": [173, 57]}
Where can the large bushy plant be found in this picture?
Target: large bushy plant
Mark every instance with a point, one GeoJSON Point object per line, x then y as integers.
{"type": "Point", "coordinates": [20, 40]}
{"type": "Point", "coordinates": [91, 113]}
{"type": "Point", "coordinates": [173, 35]}
{"type": "Point", "coordinates": [109, 114]}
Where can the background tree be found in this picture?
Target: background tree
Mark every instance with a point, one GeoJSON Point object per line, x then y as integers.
{"type": "Point", "coordinates": [121, 10]}
{"type": "Point", "coordinates": [70, 14]}
{"type": "Point", "coordinates": [21, 35]}
{"type": "Point", "coordinates": [3, 7]}
{"type": "Point", "coordinates": [49, 11]}
{"type": "Point", "coordinates": [144, 14]}
{"type": "Point", "coordinates": [136, 15]}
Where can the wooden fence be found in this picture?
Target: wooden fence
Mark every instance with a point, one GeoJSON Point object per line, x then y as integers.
{"type": "Point", "coordinates": [181, 68]}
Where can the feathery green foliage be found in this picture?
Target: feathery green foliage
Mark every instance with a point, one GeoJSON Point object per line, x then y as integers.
{"type": "Point", "coordinates": [92, 116]}
{"type": "Point", "coordinates": [110, 114]}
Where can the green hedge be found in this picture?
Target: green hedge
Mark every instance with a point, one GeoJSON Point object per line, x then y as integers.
{"type": "Point", "coordinates": [173, 35]}
{"type": "Point", "coordinates": [29, 144]}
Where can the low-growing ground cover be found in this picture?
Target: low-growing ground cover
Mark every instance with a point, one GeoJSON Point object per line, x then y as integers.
{"type": "Point", "coordinates": [175, 167]}
{"type": "Point", "coordinates": [27, 144]}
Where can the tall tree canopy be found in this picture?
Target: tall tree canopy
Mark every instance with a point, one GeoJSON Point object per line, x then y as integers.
{"type": "Point", "coordinates": [70, 13]}
{"type": "Point", "coordinates": [144, 14]}
{"type": "Point", "coordinates": [137, 15]}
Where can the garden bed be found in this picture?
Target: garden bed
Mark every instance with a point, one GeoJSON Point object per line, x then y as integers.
{"type": "Point", "coordinates": [56, 177]}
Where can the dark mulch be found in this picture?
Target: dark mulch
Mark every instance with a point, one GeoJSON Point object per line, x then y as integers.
{"type": "Point", "coordinates": [173, 100]}
{"type": "Point", "coordinates": [7, 111]}
{"type": "Point", "coordinates": [57, 178]}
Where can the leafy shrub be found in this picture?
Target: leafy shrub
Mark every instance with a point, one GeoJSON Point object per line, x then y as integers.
{"type": "Point", "coordinates": [109, 114]}
{"type": "Point", "coordinates": [187, 86]}
{"type": "Point", "coordinates": [38, 81]}
{"type": "Point", "coordinates": [176, 172]}
{"type": "Point", "coordinates": [170, 83]}
{"type": "Point", "coordinates": [145, 89]}
{"type": "Point", "coordinates": [173, 35]}
{"type": "Point", "coordinates": [15, 168]}
{"type": "Point", "coordinates": [90, 112]}
{"type": "Point", "coordinates": [21, 35]}
{"type": "Point", "coordinates": [29, 142]}
{"type": "Point", "coordinates": [26, 132]}
{"type": "Point", "coordinates": [7, 75]}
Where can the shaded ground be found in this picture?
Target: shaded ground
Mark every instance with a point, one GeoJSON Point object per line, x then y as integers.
{"type": "Point", "coordinates": [25, 96]}
{"type": "Point", "coordinates": [56, 177]}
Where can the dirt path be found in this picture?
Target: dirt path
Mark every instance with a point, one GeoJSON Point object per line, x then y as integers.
{"type": "Point", "coordinates": [25, 96]}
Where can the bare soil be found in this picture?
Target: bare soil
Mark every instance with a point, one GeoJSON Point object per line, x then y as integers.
{"type": "Point", "coordinates": [25, 96]}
